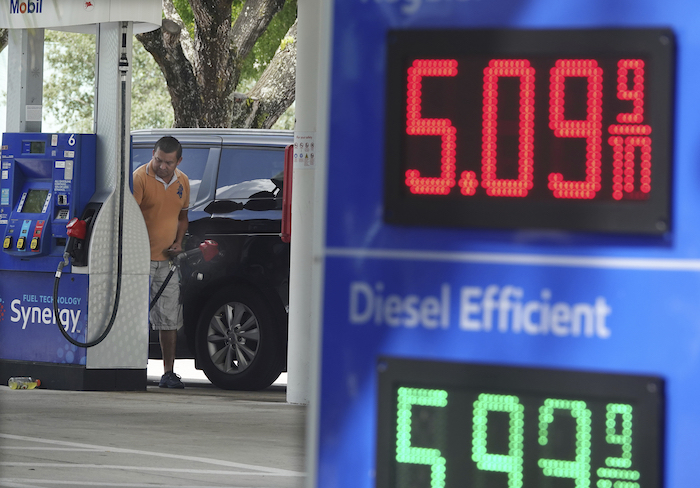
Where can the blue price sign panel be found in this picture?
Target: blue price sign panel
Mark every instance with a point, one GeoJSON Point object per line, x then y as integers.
{"type": "Point", "coordinates": [512, 254]}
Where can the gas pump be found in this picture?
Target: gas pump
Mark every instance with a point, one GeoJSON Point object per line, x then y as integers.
{"type": "Point", "coordinates": [57, 300]}
{"type": "Point", "coordinates": [47, 181]}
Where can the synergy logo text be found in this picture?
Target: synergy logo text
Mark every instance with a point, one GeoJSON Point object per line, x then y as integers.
{"type": "Point", "coordinates": [38, 309]}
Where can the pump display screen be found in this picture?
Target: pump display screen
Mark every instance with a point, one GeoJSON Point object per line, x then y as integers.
{"type": "Point", "coordinates": [530, 129]}
{"type": "Point", "coordinates": [455, 425]}
{"type": "Point", "coordinates": [34, 203]}
{"type": "Point", "coordinates": [37, 147]}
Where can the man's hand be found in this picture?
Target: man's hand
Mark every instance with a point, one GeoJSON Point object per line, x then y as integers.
{"type": "Point", "coordinates": [175, 249]}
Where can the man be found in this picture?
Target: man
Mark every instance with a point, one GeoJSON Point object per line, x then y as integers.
{"type": "Point", "coordinates": [163, 194]}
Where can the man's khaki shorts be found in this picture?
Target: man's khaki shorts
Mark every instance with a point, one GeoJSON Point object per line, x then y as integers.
{"type": "Point", "coordinates": [166, 314]}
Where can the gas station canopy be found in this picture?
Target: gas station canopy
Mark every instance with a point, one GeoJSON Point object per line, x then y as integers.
{"type": "Point", "coordinates": [79, 16]}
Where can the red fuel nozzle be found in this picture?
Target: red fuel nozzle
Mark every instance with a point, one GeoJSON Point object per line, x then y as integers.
{"type": "Point", "coordinates": [76, 228]}
{"type": "Point", "coordinates": [210, 249]}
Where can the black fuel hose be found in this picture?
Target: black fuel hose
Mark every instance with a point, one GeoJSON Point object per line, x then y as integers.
{"type": "Point", "coordinates": [123, 68]}
{"type": "Point", "coordinates": [197, 251]}
{"type": "Point", "coordinates": [117, 293]}
{"type": "Point", "coordinates": [173, 267]}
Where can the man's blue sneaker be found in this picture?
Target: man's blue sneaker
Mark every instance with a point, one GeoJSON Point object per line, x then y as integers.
{"type": "Point", "coordinates": [171, 380]}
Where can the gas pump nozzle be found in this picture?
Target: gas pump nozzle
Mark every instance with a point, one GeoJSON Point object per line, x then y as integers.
{"type": "Point", "coordinates": [208, 249]}
{"type": "Point", "coordinates": [77, 231]}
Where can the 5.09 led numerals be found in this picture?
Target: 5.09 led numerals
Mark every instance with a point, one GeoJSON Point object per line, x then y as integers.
{"type": "Point", "coordinates": [630, 138]}
{"type": "Point", "coordinates": [566, 129]}
{"type": "Point", "coordinates": [618, 432]}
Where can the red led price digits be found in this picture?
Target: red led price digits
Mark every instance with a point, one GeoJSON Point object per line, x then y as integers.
{"type": "Point", "coordinates": [498, 187]}
{"type": "Point", "coordinates": [417, 126]}
{"type": "Point", "coordinates": [629, 133]}
{"type": "Point", "coordinates": [590, 129]}
{"type": "Point", "coordinates": [636, 135]}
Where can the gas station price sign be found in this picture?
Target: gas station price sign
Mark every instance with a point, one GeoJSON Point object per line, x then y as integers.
{"type": "Point", "coordinates": [559, 129]}
{"type": "Point", "coordinates": [445, 425]}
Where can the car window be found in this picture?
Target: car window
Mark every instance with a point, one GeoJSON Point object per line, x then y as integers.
{"type": "Point", "coordinates": [194, 160]}
{"type": "Point", "coordinates": [246, 171]}
{"type": "Point", "coordinates": [140, 156]}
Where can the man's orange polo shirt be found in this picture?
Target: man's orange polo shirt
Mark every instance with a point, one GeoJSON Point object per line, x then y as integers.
{"type": "Point", "coordinates": [161, 207]}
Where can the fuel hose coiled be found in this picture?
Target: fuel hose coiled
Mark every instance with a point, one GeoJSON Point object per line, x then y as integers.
{"type": "Point", "coordinates": [123, 69]}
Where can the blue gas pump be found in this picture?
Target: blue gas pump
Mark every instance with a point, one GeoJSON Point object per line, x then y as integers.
{"type": "Point", "coordinates": [47, 181]}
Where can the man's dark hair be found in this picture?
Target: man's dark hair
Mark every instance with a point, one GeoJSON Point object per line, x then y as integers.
{"type": "Point", "coordinates": [169, 144]}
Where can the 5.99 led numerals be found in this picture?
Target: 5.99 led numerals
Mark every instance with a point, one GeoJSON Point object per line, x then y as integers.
{"type": "Point", "coordinates": [618, 431]}
{"type": "Point", "coordinates": [629, 138]}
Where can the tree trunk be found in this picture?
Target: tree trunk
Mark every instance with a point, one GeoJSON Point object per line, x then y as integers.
{"type": "Point", "coordinates": [178, 73]}
{"type": "Point", "coordinates": [213, 64]}
{"type": "Point", "coordinates": [202, 74]}
{"type": "Point", "coordinates": [3, 39]}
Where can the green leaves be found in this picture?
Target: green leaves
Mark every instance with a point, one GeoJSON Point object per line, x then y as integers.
{"type": "Point", "coordinates": [69, 84]}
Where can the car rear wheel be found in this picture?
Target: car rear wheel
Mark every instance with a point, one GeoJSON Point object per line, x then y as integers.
{"type": "Point", "coordinates": [239, 344]}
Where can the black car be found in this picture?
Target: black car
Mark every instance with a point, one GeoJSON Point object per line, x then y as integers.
{"type": "Point", "coordinates": [236, 305]}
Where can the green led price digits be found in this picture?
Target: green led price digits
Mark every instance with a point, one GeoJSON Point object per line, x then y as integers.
{"type": "Point", "coordinates": [405, 452]}
{"type": "Point", "coordinates": [580, 468]}
{"type": "Point", "coordinates": [616, 473]}
{"type": "Point", "coordinates": [513, 462]}
{"type": "Point", "coordinates": [617, 466]}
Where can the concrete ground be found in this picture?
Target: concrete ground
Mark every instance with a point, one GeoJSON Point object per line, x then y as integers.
{"type": "Point", "coordinates": [197, 437]}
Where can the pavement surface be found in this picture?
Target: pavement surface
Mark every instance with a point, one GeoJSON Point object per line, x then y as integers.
{"type": "Point", "coordinates": [197, 437]}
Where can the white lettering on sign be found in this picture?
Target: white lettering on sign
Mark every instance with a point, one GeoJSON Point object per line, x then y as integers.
{"type": "Point", "coordinates": [369, 304]}
{"type": "Point", "coordinates": [503, 309]}
{"type": "Point", "coordinates": [45, 315]}
{"type": "Point", "coordinates": [412, 6]}
{"type": "Point", "coordinates": [480, 310]}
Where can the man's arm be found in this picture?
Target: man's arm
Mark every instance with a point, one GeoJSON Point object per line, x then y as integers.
{"type": "Point", "coordinates": [182, 223]}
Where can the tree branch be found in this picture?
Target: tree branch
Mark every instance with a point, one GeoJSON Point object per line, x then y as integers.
{"type": "Point", "coordinates": [275, 90]}
{"type": "Point", "coordinates": [185, 38]}
{"type": "Point", "coordinates": [167, 51]}
{"type": "Point", "coordinates": [202, 73]}
{"type": "Point", "coordinates": [250, 24]}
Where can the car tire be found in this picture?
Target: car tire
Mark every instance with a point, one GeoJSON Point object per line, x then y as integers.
{"type": "Point", "coordinates": [239, 344]}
